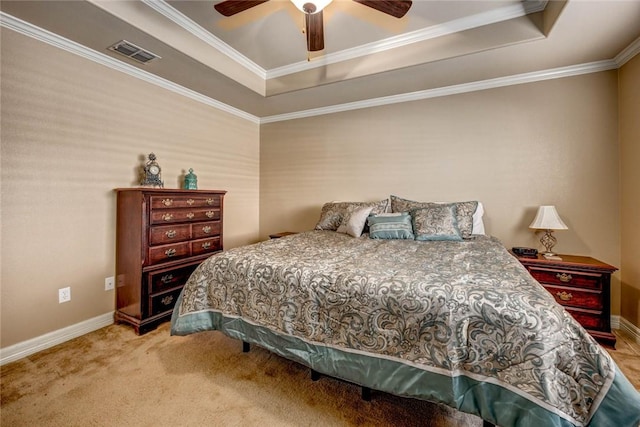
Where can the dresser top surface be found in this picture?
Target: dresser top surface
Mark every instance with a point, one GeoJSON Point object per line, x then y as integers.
{"type": "Point", "coordinates": [168, 190]}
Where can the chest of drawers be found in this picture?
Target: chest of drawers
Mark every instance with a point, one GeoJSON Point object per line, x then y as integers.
{"type": "Point", "coordinates": [161, 237]}
{"type": "Point", "coordinates": [582, 285]}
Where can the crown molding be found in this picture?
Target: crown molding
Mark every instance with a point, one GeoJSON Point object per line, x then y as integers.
{"type": "Point", "coordinates": [628, 53]}
{"type": "Point", "coordinates": [435, 31]}
{"type": "Point", "coordinates": [162, 7]}
{"type": "Point", "coordinates": [30, 30]}
{"type": "Point", "coordinates": [536, 76]}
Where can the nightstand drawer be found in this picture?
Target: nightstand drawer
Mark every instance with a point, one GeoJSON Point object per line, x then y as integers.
{"type": "Point", "coordinates": [575, 297]}
{"type": "Point", "coordinates": [587, 318]}
{"type": "Point", "coordinates": [566, 277]}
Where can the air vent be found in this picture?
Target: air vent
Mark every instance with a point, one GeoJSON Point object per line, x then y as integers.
{"type": "Point", "coordinates": [132, 51]}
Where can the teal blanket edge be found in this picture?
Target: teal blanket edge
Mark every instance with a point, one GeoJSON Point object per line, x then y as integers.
{"type": "Point", "coordinates": [491, 402]}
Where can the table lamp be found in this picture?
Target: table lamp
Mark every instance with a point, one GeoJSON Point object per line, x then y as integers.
{"type": "Point", "coordinates": [548, 219]}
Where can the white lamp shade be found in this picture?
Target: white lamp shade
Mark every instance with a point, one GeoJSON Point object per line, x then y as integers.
{"type": "Point", "coordinates": [547, 218]}
{"type": "Point", "coordinates": [318, 4]}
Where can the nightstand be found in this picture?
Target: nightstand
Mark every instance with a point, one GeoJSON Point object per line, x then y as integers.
{"type": "Point", "coordinates": [281, 234]}
{"type": "Point", "coordinates": [582, 285]}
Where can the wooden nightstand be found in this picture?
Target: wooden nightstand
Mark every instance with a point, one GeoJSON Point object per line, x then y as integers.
{"type": "Point", "coordinates": [281, 234]}
{"type": "Point", "coordinates": [582, 285]}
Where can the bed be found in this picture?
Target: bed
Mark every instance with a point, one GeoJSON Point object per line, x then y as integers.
{"type": "Point", "coordinates": [453, 321]}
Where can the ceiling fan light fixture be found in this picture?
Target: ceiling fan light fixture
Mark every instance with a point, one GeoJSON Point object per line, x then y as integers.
{"type": "Point", "coordinates": [311, 6]}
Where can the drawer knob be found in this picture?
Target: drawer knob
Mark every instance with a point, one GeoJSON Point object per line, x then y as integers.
{"type": "Point", "coordinates": [167, 300]}
{"type": "Point", "coordinates": [167, 202]}
{"type": "Point", "coordinates": [190, 201]}
{"type": "Point", "coordinates": [210, 214]}
{"type": "Point", "coordinates": [564, 296]}
{"type": "Point", "coordinates": [564, 277]}
{"type": "Point", "coordinates": [167, 217]}
{"type": "Point", "coordinates": [206, 229]}
{"type": "Point", "coordinates": [171, 234]}
{"type": "Point", "coordinates": [170, 252]}
{"type": "Point", "coordinates": [166, 278]}
{"type": "Point", "coordinates": [190, 215]}
{"type": "Point", "coordinates": [210, 201]}
{"type": "Point", "coordinates": [206, 245]}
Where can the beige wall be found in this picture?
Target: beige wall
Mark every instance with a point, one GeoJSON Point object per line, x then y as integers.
{"type": "Point", "coordinates": [73, 130]}
{"type": "Point", "coordinates": [629, 87]}
{"type": "Point", "coordinates": [513, 148]}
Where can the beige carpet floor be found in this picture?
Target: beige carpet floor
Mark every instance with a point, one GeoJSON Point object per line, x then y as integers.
{"type": "Point", "coordinates": [111, 377]}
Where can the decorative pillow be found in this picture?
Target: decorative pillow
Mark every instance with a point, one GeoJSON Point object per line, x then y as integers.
{"type": "Point", "coordinates": [332, 212]}
{"type": "Point", "coordinates": [436, 222]}
{"type": "Point", "coordinates": [353, 222]}
{"type": "Point", "coordinates": [464, 212]}
{"type": "Point", "coordinates": [390, 226]}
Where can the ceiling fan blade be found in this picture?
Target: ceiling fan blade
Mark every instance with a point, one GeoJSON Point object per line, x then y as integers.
{"type": "Point", "coordinates": [395, 8]}
{"type": "Point", "coordinates": [314, 31]}
{"type": "Point", "coordinates": [231, 7]}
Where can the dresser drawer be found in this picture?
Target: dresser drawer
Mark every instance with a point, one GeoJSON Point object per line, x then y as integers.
{"type": "Point", "coordinates": [163, 202]}
{"type": "Point", "coordinates": [205, 229]}
{"type": "Point", "coordinates": [166, 216]}
{"type": "Point", "coordinates": [566, 277]}
{"type": "Point", "coordinates": [164, 253]}
{"type": "Point", "coordinates": [203, 246]}
{"type": "Point", "coordinates": [575, 297]}
{"type": "Point", "coordinates": [164, 280]}
{"type": "Point", "coordinates": [169, 234]}
{"type": "Point", "coordinates": [163, 302]}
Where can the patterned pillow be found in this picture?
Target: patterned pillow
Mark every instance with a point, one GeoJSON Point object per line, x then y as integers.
{"type": "Point", "coordinates": [354, 221]}
{"type": "Point", "coordinates": [436, 222]}
{"type": "Point", "coordinates": [464, 211]}
{"type": "Point", "coordinates": [391, 226]}
{"type": "Point", "coordinates": [332, 212]}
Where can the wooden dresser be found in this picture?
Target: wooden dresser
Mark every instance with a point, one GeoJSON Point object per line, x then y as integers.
{"type": "Point", "coordinates": [582, 285]}
{"type": "Point", "coordinates": [162, 235]}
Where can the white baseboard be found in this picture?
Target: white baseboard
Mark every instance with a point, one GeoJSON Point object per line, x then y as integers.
{"type": "Point", "coordinates": [631, 329]}
{"type": "Point", "coordinates": [43, 342]}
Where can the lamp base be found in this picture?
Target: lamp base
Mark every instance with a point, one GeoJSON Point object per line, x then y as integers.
{"type": "Point", "coordinates": [548, 241]}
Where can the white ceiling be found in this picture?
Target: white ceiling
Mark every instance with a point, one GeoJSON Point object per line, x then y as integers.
{"type": "Point", "coordinates": [256, 62]}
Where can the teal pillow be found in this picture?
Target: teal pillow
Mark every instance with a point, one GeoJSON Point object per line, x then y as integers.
{"type": "Point", "coordinates": [395, 226]}
{"type": "Point", "coordinates": [436, 222]}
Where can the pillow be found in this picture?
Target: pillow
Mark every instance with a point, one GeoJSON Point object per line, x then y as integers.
{"type": "Point", "coordinates": [353, 222]}
{"type": "Point", "coordinates": [332, 212]}
{"type": "Point", "coordinates": [390, 226]}
{"type": "Point", "coordinates": [436, 222]}
{"type": "Point", "coordinates": [464, 212]}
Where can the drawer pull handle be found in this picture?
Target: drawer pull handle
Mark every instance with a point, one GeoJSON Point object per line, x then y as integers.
{"type": "Point", "coordinates": [190, 201]}
{"type": "Point", "coordinates": [564, 296]}
{"type": "Point", "coordinates": [167, 217]}
{"type": "Point", "coordinates": [170, 252]}
{"type": "Point", "coordinates": [564, 277]}
{"type": "Point", "coordinates": [171, 234]}
{"type": "Point", "coordinates": [210, 214]}
{"type": "Point", "coordinates": [167, 300]}
{"type": "Point", "coordinates": [190, 215]}
{"type": "Point", "coordinates": [166, 278]}
{"type": "Point", "coordinates": [206, 245]}
{"type": "Point", "coordinates": [210, 202]}
{"type": "Point", "coordinates": [167, 202]}
{"type": "Point", "coordinates": [206, 229]}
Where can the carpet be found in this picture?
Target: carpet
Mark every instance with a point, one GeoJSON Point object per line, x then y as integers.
{"type": "Point", "coordinates": [112, 377]}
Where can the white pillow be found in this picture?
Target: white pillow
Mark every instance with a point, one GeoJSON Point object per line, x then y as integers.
{"type": "Point", "coordinates": [478, 224]}
{"type": "Point", "coordinates": [353, 223]}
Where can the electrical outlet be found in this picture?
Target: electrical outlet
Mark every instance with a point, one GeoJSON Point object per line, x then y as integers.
{"type": "Point", "coordinates": [109, 283]}
{"type": "Point", "coordinates": [64, 294]}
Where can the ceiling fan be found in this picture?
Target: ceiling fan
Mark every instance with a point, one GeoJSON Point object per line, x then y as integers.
{"type": "Point", "coordinates": [312, 9]}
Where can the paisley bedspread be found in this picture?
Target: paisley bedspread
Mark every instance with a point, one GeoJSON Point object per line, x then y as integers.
{"type": "Point", "coordinates": [461, 323]}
